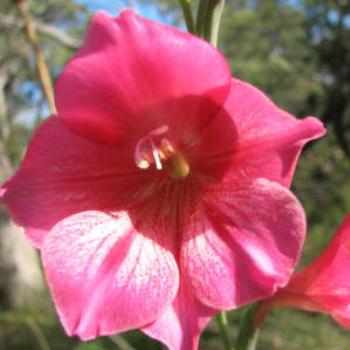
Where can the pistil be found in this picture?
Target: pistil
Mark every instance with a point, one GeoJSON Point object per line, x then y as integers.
{"type": "Point", "coordinates": [179, 167]}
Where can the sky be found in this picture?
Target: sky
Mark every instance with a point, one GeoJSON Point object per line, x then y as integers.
{"type": "Point", "coordinates": [114, 7]}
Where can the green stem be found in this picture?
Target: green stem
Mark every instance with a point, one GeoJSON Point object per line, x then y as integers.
{"type": "Point", "coordinates": [187, 11]}
{"type": "Point", "coordinates": [223, 327]}
{"type": "Point", "coordinates": [212, 20]}
{"type": "Point", "coordinates": [247, 333]}
{"type": "Point", "coordinates": [250, 325]}
{"type": "Point", "coordinates": [201, 16]}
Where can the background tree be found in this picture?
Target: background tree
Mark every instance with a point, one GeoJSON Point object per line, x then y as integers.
{"type": "Point", "coordinates": [328, 28]}
{"type": "Point", "coordinates": [21, 107]}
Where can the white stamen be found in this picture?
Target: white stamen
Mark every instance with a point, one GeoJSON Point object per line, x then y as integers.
{"type": "Point", "coordinates": [146, 150]}
{"type": "Point", "coordinates": [157, 159]}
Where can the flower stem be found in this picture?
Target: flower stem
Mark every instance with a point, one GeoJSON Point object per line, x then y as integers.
{"type": "Point", "coordinates": [250, 325]}
{"type": "Point", "coordinates": [247, 333]}
{"type": "Point", "coordinates": [201, 15]}
{"type": "Point", "coordinates": [223, 326]}
{"type": "Point", "coordinates": [212, 21]}
{"type": "Point", "coordinates": [187, 11]}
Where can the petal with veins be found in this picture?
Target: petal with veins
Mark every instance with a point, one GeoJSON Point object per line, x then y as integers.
{"type": "Point", "coordinates": [243, 243]}
{"type": "Point", "coordinates": [105, 277]}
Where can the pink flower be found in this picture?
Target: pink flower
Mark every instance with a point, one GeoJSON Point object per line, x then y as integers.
{"type": "Point", "coordinates": [158, 195]}
{"type": "Point", "coordinates": [323, 286]}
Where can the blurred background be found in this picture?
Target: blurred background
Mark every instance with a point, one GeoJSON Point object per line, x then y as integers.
{"type": "Point", "coordinates": [297, 51]}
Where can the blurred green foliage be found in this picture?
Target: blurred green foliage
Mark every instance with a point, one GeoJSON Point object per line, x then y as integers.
{"type": "Point", "coordinates": [299, 54]}
{"type": "Point", "coordinates": [268, 46]}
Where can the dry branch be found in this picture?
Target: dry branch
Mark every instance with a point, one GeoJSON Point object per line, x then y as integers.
{"type": "Point", "coordinates": [47, 29]}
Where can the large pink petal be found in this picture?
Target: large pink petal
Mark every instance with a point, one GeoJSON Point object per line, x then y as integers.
{"type": "Point", "coordinates": [243, 243]}
{"type": "Point", "coordinates": [63, 173]}
{"type": "Point", "coordinates": [105, 277]}
{"type": "Point", "coordinates": [267, 141]}
{"type": "Point", "coordinates": [133, 75]}
{"type": "Point", "coordinates": [182, 323]}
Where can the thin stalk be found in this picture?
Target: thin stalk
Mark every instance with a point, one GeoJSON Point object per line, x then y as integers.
{"type": "Point", "coordinates": [31, 324]}
{"type": "Point", "coordinates": [121, 343]}
{"type": "Point", "coordinates": [5, 130]}
{"type": "Point", "coordinates": [38, 333]}
{"type": "Point", "coordinates": [187, 11]}
{"type": "Point", "coordinates": [5, 163]}
{"type": "Point", "coordinates": [223, 327]}
{"type": "Point", "coordinates": [43, 71]}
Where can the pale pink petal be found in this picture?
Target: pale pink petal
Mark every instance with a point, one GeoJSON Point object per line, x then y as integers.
{"type": "Point", "coordinates": [134, 75]}
{"type": "Point", "coordinates": [182, 323]}
{"type": "Point", "coordinates": [265, 140]}
{"type": "Point", "coordinates": [63, 173]}
{"type": "Point", "coordinates": [105, 276]}
{"type": "Point", "coordinates": [242, 243]}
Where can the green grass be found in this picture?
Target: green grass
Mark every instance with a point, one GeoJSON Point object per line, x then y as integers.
{"type": "Point", "coordinates": [284, 330]}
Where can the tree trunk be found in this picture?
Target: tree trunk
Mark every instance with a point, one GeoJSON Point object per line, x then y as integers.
{"type": "Point", "coordinates": [20, 273]}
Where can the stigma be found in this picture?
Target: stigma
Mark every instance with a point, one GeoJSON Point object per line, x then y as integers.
{"type": "Point", "coordinates": [154, 150]}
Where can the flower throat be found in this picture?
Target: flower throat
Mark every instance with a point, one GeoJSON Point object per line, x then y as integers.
{"type": "Point", "coordinates": [155, 150]}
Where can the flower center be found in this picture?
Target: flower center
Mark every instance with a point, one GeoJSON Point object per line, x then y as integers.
{"type": "Point", "coordinates": [154, 149]}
